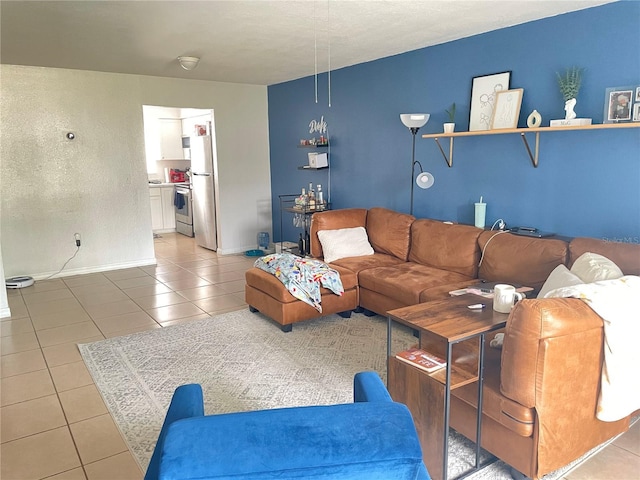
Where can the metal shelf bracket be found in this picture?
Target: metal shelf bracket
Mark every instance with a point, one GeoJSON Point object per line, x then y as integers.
{"type": "Point", "coordinates": [532, 156]}
{"type": "Point", "coordinates": [449, 159]}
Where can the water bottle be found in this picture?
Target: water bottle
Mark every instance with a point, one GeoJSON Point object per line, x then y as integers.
{"type": "Point", "coordinates": [263, 240]}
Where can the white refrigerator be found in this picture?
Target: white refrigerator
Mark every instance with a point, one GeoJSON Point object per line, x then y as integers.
{"type": "Point", "coordinates": [203, 192]}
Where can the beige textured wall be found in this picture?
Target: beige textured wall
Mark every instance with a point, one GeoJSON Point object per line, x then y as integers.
{"type": "Point", "coordinates": [97, 184]}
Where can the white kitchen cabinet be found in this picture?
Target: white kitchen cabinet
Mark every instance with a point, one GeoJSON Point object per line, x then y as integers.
{"type": "Point", "coordinates": [168, 210]}
{"type": "Point", "coordinates": [171, 139]}
{"type": "Point", "coordinates": [163, 218]}
{"type": "Point", "coordinates": [157, 222]}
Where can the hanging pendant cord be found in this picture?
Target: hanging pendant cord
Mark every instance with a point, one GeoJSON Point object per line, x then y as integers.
{"type": "Point", "coordinates": [315, 49]}
{"type": "Point", "coordinates": [329, 51]}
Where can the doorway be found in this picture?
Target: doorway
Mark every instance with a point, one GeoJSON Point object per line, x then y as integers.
{"type": "Point", "coordinates": [168, 132]}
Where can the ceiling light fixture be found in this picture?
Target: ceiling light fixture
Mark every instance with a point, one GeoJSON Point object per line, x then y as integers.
{"type": "Point", "coordinates": [188, 63]}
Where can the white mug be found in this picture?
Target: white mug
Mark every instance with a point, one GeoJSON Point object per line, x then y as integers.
{"type": "Point", "coordinates": [504, 297]}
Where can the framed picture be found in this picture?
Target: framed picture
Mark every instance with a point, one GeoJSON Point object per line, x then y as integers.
{"type": "Point", "coordinates": [637, 94]}
{"type": "Point", "coordinates": [636, 112]}
{"type": "Point", "coordinates": [617, 104]}
{"type": "Point", "coordinates": [506, 110]}
{"type": "Point", "coordinates": [483, 96]}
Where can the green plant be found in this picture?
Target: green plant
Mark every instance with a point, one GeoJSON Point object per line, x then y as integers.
{"type": "Point", "coordinates": [570, 82]}
{"type": "Point", "coordinates": [452, 112]}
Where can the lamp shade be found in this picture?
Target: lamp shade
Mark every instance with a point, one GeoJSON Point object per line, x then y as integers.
{"type": "Point", "coordinates": [188, 63]}
{"type": "Point", "coordinates": [425, 180]}
{"type": "Point", "coordinates": [414, 120]}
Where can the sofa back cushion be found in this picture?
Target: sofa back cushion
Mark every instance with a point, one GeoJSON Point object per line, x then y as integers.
{"type": "Point", "coordinates": [445, 246]}
{"type": "Point", "coordinates": [389, 232]}
{"type": "Point", "coordinates": [517, 259]}
{"type": "Point", "coordinates": [624, 255]}
{"type": "Point", "coordinates": [334, 220]}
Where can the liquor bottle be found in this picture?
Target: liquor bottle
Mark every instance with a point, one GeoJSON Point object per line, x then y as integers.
{"type": "Point", "coordinates": [301, 246]}
{"type": "Point", "coordinates": [312, 200]}
{"type": "Point", "coordinates": [319, 198]}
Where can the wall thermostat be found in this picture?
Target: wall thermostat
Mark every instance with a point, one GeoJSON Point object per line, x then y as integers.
{"type": "Point", "coordinates": [19, 282]}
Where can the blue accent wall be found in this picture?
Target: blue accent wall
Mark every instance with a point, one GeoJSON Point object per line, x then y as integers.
{"type": "Point", "coordinates": [587, 182]}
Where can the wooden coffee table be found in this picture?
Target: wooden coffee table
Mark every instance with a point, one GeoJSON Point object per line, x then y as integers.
{"type": "Point", "coordinates": [450, 329]}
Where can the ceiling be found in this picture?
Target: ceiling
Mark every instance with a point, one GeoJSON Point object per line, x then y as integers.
{"type": "Point", "coordinates": [258, 42]}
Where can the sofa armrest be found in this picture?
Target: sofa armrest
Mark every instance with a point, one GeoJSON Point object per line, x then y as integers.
{"type": "Point", "coordinates": [535, 330]}
{"type": "Point", "coordinates": [187, 402]}
{"type": "Point", "coordinates": [552, 361]}
{"type": "Point", "coordinates": [368, 387]}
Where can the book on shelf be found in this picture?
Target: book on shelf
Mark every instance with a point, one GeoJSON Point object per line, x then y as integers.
{"type": "Point", "coordinates": [422, 359]}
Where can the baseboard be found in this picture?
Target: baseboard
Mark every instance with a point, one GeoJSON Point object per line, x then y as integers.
{"type": "Point", "coordinates": [233, 251]}
{"type": "Point", "coordinates": [98, 268]}
{"type": "Point", "coordinates": [5, 312]}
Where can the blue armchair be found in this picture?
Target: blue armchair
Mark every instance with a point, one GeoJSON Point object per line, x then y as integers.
{"type": "Point", "coordinates": [372, 438]}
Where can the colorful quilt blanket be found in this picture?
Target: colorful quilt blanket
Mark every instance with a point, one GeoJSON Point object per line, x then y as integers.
{"type": "Point", "coordinates": [302, 277]}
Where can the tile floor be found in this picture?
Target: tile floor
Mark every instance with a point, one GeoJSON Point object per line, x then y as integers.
{"type": "Point", "coordinates": [53, 423]}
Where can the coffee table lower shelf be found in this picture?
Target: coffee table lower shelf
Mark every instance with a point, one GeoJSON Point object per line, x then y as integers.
{"type": "Point", "coordinates": [424, 395]}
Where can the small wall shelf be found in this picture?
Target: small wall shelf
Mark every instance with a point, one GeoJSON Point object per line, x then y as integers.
{"type": "Point", "coordinates": [315, 145]}
{"type": "Point", "coordinates": [533, 156]}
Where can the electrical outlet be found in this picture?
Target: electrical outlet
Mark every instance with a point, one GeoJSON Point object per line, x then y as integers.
{"type": "Point", "coordinates": [77, 237]}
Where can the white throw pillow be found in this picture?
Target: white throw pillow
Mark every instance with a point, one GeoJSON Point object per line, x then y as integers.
{"type": "Point", "coordinates": [345, 242]}
{"type": "Point", "coordinates": [559, 278]}
{"type": "Point", "coordinates": [591, 267]}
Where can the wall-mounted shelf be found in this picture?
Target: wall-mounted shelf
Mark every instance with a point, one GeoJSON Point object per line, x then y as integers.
{"type": "Point", "coordinates": [315, 145]}
{"type": "Point", "coordinates": [307, 167]}
{"type": "Point", "coordinates": [522, 132]}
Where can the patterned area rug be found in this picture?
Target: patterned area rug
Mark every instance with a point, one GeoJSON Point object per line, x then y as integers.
{"type": "Point", "coordinates": [244, 362]}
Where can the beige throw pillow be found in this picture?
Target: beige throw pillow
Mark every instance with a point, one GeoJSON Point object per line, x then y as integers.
{"type": "Point", "coordinates": [560, 277]}
{"type": "Point", "coordinates": [591, 267]}
{"type": "Point", "coordinates": [345, 242]}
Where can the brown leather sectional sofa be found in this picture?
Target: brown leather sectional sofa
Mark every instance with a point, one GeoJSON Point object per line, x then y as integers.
{"type": "Point", "coordinates": [541, 389]}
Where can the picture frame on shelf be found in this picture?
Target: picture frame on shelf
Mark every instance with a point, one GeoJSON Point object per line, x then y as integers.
{"type": "Point", "coordinates": [637, 94]}
{"type": "Point", "coordinates": [506, 111]}
{"type": "Point", "coordinates": [483, 96]}
{"type": "Point", "coordinates": [618, 104]}
{"type": "Point", "coordinates": [636, 112]}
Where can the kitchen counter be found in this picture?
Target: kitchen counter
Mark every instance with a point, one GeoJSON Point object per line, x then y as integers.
{"type": "Point", "coordinates": [160, 185]}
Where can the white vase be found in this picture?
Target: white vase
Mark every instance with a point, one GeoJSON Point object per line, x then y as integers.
{"type": "Point", "coordinates": [569, 105]}
{"type": "Point", "coordinates": [449, 127]}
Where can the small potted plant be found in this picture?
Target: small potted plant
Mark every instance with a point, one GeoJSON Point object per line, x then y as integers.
{"type": "Point", "coordinates": [569, 84]}
{"type": "Point", "coordinates": [450, 126]}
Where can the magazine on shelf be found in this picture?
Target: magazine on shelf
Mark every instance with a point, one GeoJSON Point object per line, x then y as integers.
{"type": "Point", "coordinates": [422, 359]}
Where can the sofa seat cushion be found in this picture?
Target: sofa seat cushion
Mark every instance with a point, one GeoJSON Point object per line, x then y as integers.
{"type": "Point", "coordinates": [512, 258]}
{"type": "Point", "coordinates": [511, 414]}
{"type": "Point", "coordinates": [349, 441]}
{"type": "Point", "coordinates": [273, 287]}
{"type": "Point", "coordinates": [406, 281]}
{"type": "Point", "coordinates": [445, 246]}
{"type": "Point", "coordinates": [357, 264]}
{"type": "Point", "coordinates": [389, 232]}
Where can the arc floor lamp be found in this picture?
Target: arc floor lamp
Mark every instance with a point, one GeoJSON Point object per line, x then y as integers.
{"type": "Point", "coordinates": [414, 121]}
